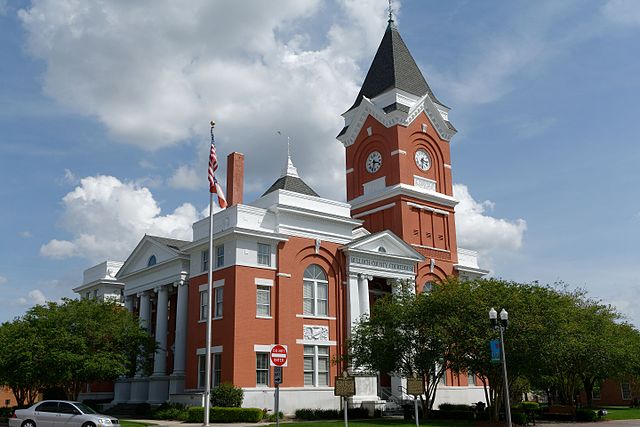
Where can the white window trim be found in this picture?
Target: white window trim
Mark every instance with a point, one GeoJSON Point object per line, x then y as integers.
{"type": "Point", "coordinates": [263, 386]}
{"type": "Point", "coordinates": [262, 316]}
{"type": "Point", "coordinates": [214, 300]}
{"type": "Point", "coordinates": [258, 245]}
{"type": "Point", "coordinates": [311, 316]}
{"type": "Point", "coordinates": [315, 297]}
{"type": "Point", "coordinates": [202, 352]}
{"type": "Point", "coordinates": [203, 288]}
{"type": "Point", "coordinates": [215, 258]}
{"type": "Point", "coordinates": [316, 366]}
{"type": "Point", "coordinates": [263, 282]}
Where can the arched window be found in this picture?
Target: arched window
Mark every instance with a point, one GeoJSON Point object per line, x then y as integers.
{"type": "Point", "coordinates": [315, 292]}
{"type": "Point", "coordinates": [152, 261]}
{"type": "Point", "coordinates": [428, 286]}
{"type": "Point", "coordinates": [382, 249]}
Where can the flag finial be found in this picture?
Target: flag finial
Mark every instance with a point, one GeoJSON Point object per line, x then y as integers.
{"type": "Point", "coordinates": [390, 13]}
{"type": "Point", "coordinates": [289, 169]}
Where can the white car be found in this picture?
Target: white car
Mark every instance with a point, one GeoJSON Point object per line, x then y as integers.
{"type": "Point", "coordinates": [60, 413]}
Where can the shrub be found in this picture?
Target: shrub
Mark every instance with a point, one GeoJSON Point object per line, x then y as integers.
{"type": "Point", "coordinates": [454, 407]}
{"type": "Point", "coordinates": [586, 415]}
{"type": "Point", "coordinates": [225, 415]}
{"type": "Point", "coordinates": [272, 417]}
{"type": "Point", "coordinates": [519, 418]}
{"type": "Point", "coordinates": [530, 406]}
{"type": "Point", "coordinates": [168, 411]}
{"type": "Point", "coordinates": [226, 395]}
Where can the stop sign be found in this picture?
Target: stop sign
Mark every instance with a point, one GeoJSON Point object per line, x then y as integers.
{"type": "Point", "coordinates": [278, 355]}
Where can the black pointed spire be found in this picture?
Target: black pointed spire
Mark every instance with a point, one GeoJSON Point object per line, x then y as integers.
{"type": "Point", "coordinates": [393, 67]}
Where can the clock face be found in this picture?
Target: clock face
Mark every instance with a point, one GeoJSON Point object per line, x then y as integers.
{"type": "Point", "coordinates": [423, 161]}
{"type": "Point", "coordinates": [374, 161]}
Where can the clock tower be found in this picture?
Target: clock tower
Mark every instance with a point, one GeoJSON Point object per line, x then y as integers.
{"type": "Point", "coordinates": [398, 159]}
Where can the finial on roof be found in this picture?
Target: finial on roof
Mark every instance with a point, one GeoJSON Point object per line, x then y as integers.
{"type": "Point", "coordinates": [391, 22]}
{"type": "Point", "coordinates": [289, 169]}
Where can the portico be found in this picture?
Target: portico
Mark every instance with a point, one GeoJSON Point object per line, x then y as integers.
{"type": "Point", "coordinates": [375, 257]}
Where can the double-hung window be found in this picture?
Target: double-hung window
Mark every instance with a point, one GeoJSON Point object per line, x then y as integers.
{"type": "Point", "coordinates": [315, 291]}
{"type": "Point", "coordinates": [262, 369]}
{"type": "Point", "coordinates": [264, 254]}
{"type": "Point", "coordinates": [205, 260]}
{"type": "Point", "coordinates": [471, 377]}
{"type": "Point", "coordinates": [218, 303]}
{"type": "Point", "coordinates": [216, 369]}
{"type": "Point", "coordinates": [203, 305]}
{"type": "Point", "coordinates": [316, 366]}
{"type": "Point", "coordinates": [626, 390]}
{"type": "Point", "coordinates": [263, 301]}
{"type": "Point", "coordinates": [219, 256]}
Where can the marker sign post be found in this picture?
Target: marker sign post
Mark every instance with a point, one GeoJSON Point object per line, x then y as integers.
{"type": "Point", "coordinates": [278, 359]}
{"type": "Point", "coordinates": [345, 386]}
{"type": "Point", "coordinates": [415, 387]}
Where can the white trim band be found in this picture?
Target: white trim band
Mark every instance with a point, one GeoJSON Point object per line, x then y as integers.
{"type": "Point", "coordinates": [378, 209]}
{"type": "Point", "coordinates": [427, 208]}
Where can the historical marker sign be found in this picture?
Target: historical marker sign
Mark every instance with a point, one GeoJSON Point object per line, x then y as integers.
{"type": "Point", "coordinates": [345, 386]}
{"type": "Point", "coordinates": [278, 355]}
{"type": "Point", "coordinates": [415, 386]}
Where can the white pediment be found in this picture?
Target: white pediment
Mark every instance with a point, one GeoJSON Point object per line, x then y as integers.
{"type": "Point", "coordinates": [384, 243]}
{"type": "Point", "coordinates": [146, 249]}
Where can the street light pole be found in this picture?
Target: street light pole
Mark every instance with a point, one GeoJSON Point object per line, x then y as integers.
{"type": "Point", "coordinates": [501, 326]}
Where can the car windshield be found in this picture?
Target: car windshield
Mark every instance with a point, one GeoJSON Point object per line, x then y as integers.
{"type": "Point", "coordinates": [84, 408]}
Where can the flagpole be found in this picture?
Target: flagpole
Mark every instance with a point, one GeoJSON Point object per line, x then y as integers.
{"type": "Point", "coordinates": [207, 387]}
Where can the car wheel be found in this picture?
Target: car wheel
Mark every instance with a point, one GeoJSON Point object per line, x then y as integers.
{"type": "Point", "coordinates": [88, 425]}
{"type": "Point", "coordinates": [29, 423]}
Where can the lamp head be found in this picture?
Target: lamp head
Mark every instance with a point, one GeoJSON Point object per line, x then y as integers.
{"type": "Point", "coordinates": [493, 314]}
{"type": "Point", "coordinates": [504, 315]}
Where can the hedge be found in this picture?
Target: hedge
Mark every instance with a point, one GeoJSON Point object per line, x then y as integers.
{"type": "Point", "coordinates": [225, 415]}
{"type": "Point", "coordinates": [586, 415]}
{"type": "Point", "coordinates": [448, 407]}
{"type": "Point", "coordinates": [519, 418]}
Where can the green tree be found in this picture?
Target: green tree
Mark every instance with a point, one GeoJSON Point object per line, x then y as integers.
{"type": "Point", "coordinates": [21, 361]}
{"type": "Point", "coordinates": [401, 338]}
{"type": "Point", "coordinates": [77, 342]}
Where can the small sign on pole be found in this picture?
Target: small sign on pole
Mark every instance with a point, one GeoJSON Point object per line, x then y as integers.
{"type": "Point", "coordinates": [345, 386]}
{"type": "Point", "coordinates": [496, 353]}
{"type": "Point", "coordinates": [278, 355]}
{"type": "Point", "coordinates": [277, 375]}
{"type": "Point", "coordinates": [415, 387]}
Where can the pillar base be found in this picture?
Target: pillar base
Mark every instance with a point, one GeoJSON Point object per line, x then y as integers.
{"type": "Point", "coordinates": [158, 389]}
{"type": "Point", "coordinates": [176, 383]}
{"type": "Point", "coordinates": [121, 391]}
{"type": "Point", "coordinates": [367, 388]}
{"type": "Point", "coordinates": [139, 389]}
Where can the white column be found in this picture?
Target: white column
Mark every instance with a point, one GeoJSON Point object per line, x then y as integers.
{"type": "Point", "coordinates": [144, 315]}
{"type": "Point", "coordinates": [128, 303]}
{"type": "Point", "coordinates": [353, 301]}
{"type": "Point", "coordinates": [363, 293]}
{"type": "Point", "coordinates": [162, 320]}
{"type": "Point", "coordinates": [180, 342]}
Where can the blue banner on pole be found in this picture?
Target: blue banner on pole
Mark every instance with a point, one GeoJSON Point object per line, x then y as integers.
{"type": "Point", "coordinates": [496, 354]}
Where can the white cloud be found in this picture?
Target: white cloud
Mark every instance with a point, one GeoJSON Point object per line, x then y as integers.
{"type": "Point", "coordinates": [626, 12]}
{"type": "Point", "coordinates": [478, 231]}
{"type": "Point", "coordinates": [26, 234]}
{"type": "Point", "coordinates": [187, 178]}
{"type": "Point", "coordinates": [4, 9]}
{"type": "Point", "coordinates": [107, 218]}
{"type": "Point", "coordinates": [36, 297]}
{"type": "Point", "coordinates": [3, 280]}
{"type": "Point", "coordinates": [155, 73]}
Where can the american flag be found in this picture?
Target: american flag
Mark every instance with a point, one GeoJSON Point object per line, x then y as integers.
{"type": "Point", "coordinates": [214, 186]}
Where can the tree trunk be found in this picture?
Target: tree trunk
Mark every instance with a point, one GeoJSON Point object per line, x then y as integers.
{"type": "Point", "coordinates": [588, 389]}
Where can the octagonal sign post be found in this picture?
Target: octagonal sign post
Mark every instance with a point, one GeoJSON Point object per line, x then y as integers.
{"type": "Point", "coordinates": [278, 355]}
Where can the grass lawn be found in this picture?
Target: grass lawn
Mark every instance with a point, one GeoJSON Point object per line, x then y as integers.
{"type": "Point", "coordinates": [622, 413]}
{"type": "Point", "coordinates": [365, 423]}
{"type": "Point", "coordinates": [125, 423]}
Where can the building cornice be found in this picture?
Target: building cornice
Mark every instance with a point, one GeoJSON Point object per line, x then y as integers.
{"type": "Point", "coordinates": [403, 190]}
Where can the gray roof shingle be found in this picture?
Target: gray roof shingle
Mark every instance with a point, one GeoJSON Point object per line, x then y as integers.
{"type": "Point", "coordinates": [291, 183]}
{"type": "Point", "coordinates": [393, 67]}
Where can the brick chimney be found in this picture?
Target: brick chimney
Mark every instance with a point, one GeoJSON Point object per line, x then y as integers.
{"type": "Point", "coordinates": [235, 178]}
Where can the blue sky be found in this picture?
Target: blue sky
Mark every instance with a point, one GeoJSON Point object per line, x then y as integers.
{"type": "Point", "coordinates": [104, 112]}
